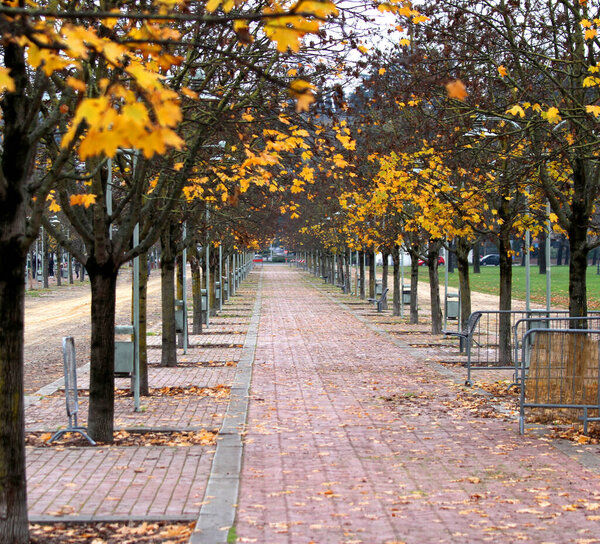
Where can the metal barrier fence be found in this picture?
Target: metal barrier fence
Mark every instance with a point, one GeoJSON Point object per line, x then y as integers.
{"type": "Point", "coordinates": [489, 349]}
{"type": "Point", "coordinates": [521, 327]}
{"type": "Point", "coordinates": [560, 369]}
{"type": "Point", "coordinates": [71, 400]}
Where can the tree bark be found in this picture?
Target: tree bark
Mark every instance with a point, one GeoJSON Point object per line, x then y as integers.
{"type": "Point", "coordinates": [476, 258]}
{"type": "Point", "coordinates": [45, 276]}
{"type": "Point", "coordinates": [58, 265]}
{"type": "Point", "coordinates": [372, 274]}
{"type": "Point", "coordinates": [433, 253]}
{"type": "Point", "coordinates": [505, 355]}
{"type": "Point", "coordinates": [362, 276]}
{"type": "Point", "coordinates": [167, 277]}
{"type": "Point", "coordinates": [577, 272]}
{"type": "Point", "coordinates": [196, 295]}
{"type": "Point", "coordinates": [384, 277]}
{"type": "Point", "coordinates": [414, 284]}
{"type": "Point", "coordinates": [462, 262]}
{"type": "Point", "coordinates": [347, 274]}
{"type": "Point", "coordinates": [397, 287]}
{"type": "Point", "coordinates": [103, 281]}
{"type": "Point", "coordinates": [13, 499]}
{"type": "Point", "coordinates": [143, 298]}
{"type": "Point", "coordinates": [542, 253]}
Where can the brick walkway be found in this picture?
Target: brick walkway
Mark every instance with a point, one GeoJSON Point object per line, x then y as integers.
{"type": "Point", "coordinates": [354, 439]}
{"type": "Point", "coordinates": [140, 482]}
{"type": "Point", "coordinates": [352, 436]}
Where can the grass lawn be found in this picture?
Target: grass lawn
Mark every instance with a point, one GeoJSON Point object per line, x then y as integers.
{"type": "Point", "coordinates": [488, 280]}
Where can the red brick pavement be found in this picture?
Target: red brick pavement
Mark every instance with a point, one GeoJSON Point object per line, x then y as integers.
{"type": "Point", "coordinates": [352, 439]}
{"type": "Point", "coordinates": [137, 482]}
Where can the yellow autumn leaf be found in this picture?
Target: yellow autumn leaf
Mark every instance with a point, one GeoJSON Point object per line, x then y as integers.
{"type": "Point", "coordinates": [552, 115]}
{"type": "Point", "coordinates": [363, 49]}
{"type": "Point", "coordinates": [456, 89]}
{"type": "Point", "coordinates": [82, 200]}
{"type": "Point", "coordinates": [6, 82]}
{"type": "Point", "coordinates": [502, 70]}
{"type": "Point", "coordinates": [516, 110]}
{"type": "Point", "coordinates": [404, 42]}
{"type": "Point", "coordinates": [318, 8]}
{"type": "Point", "coordinates": [76, 84]}
{"type": "Point", "coordinates": [302, 91]}
{"type": "Point", "coordinates": [381, 71]}
{"type": "Point", "coordinates": [594, 110]}
{"type": "Point", "coordinates": [590, 33]}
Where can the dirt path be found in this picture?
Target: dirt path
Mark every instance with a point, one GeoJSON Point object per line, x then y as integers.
{"type": "Point", "coordinates": [66, 312]}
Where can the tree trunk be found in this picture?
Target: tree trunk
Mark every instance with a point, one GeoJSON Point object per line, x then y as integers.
{"type": "Point", "coordinates": [167, 277]}
{"type": "Point", "coordinates": [542, 253]}
{"type": "Point", "coordinates": [58, 265]}
{"type": "Point", "coordinates": [433, 253]}
{"type": "Point", "coordinates": [414, 284]}
{"type": "Point", "coordinates": [103, 281]}
{"type": "Point", "coordinates": [476, 258]}
{"type": "Point", "coordinates": [505, 355]}
{"type": "Point", "coordinates": [462, 262]}
{"type": "Point", "coordinates": [362, 276]}
{"type": "Point", "coordinates": [45, 276]}
{"type": "Point", "coordinates": [577, 272]}
{"type": "Point", "coordinates": [347, 274]}
{"type": "Point", "coordinates": [13, 500]}
{"type": "Point", "coordinates": [451, 264]}
{"type": "Point", "coordinates": [559, 254]}
{"type": "Point", "coordinates": [143, 296]}
{"type": "Point", "coordinates": [196, 295]}
{"type": "Point", "coordinates": [397, 287]}
{"type": "Point", "coordinates": [372, 274]}
{"type": "Point", "coordinates": [214, 273]}
{"type": "Point", "coordinates": [384, 277]}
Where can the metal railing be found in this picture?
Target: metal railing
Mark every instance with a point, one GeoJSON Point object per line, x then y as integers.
{"type": "Point", "coordinates": [560, 370]}
{"type": "Point", "coordinates": [489, 347]}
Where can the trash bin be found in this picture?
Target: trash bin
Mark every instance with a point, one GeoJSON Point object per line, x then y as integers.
{"type": "Point", "coordinates": [452, 306]}
{"type": "Point", "coordinates": [179, 309]}
{"type": "Point", "coordinates": [124, 350]}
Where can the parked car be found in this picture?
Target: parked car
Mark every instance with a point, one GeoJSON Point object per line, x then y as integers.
{"type": "Point", "coordinates": [441, 261]}
{"type": "Point", "coordinates": [493, 259]}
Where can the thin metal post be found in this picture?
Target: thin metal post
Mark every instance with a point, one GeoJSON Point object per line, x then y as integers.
{"type": "Point", "coordinates": [207, 253]}
{"type": "Point", "coordinates": [136, 321]}
{"type": "Point", "coordinates": [184, 289]}
{"type": "Point", "coordinates": [548, 261]}
{"type": "Point", "coordinates": [401, 283]}
{"type": "Point", "coordinates": [527, 271]}
{"type": "Point", "coordinates": [220, 277]}
{"type": "Point", "coordinates": [109, 202]}
{"type": "Point", "coordinates": [446, 288]}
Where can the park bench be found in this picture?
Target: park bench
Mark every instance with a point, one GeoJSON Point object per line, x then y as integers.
{"type": "Point", "coordinates": [466, 335]}
{"type": "Point", "coordinates": [379, 301]}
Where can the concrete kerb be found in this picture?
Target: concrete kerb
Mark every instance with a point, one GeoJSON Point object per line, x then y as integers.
{"type": "Point", "coordinates": [219, 507]}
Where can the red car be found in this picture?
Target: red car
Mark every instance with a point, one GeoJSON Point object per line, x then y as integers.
{"type": "Point", "coordinates": [441, 261]}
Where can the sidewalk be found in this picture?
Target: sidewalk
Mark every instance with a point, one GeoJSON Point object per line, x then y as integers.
{"type": "Point", "coordinates": [352, 435]}
{"type": "Point", "coordinates": [158, 469]}
{"type": "Point", "coordinates": [352, 438]}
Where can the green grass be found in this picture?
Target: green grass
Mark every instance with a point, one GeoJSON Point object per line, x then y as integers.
{"type": "Point", "coordinates": [231, 535]}
{"type": "Point", "coordinates": [488, 281]}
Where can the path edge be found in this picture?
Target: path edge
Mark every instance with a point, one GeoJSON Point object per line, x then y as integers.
{"type": "Point", "coordinates": [219, 505]}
